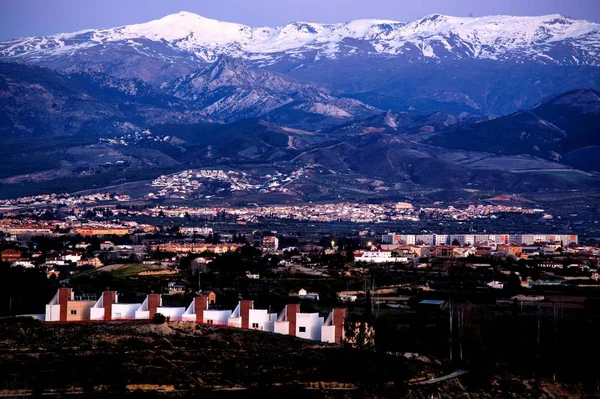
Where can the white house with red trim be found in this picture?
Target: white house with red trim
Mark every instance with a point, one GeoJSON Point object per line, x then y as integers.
{"type": "Point", "coordinates": [66, 307]}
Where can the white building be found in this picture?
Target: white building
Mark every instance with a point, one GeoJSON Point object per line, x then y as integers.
{"type": "Point", "coordinates": [303, 325]}
{"type": "Point", "coordinates": [378, 257]}
{"type": "Point", "coordinates": [427, 239]}
{"type": "Point", "coordinates": [66, 307]}
{"type": "Point", "coordinates": [23, 263]}
{"type": "Point", "coordinates": [333, 329]}
{"type": "Point", "coordinates": [441, 239]}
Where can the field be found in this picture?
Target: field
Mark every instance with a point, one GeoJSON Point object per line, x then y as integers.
{"type": "Point", "coordinates": [120, 270]}
{"type": "Point", "coordinates": [572, 175]}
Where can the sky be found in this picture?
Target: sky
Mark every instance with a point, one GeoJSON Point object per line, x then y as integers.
{"type": "Point", "coordinates": [20, 18]}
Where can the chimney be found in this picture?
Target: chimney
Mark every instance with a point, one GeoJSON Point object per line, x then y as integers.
{"type": "Point", "coordinates": [290, 312]}
{"type": "Point", "coordinates": [200, 305]}
{"type": "Point", "coordinates": [245, 307]}
{"type": "Point", "coordinates": [108, 298]}
{"type": "Point", "coordinates": [339, 315]}
{"type": "Point", "coordinates": [64, 296]}
{"type": "Point", "coordinates": [153, 304]}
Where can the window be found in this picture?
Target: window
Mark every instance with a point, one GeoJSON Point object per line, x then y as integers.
{"type": "Point", "coordinates": [254, 325]}
{"type": "Point", "coordinates": [209, 321]}
{"type": "Point", "coordinates": [73, 312]}
{"type": "Point", "coordinates": [302, 329]}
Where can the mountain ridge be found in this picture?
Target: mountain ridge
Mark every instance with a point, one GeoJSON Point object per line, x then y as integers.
{"type": "Point", "coordinates": [434, 36]}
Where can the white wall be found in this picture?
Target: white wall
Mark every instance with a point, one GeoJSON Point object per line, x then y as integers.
{"type": "Point", "coordinates": [234, 322]}
{"type": "Point", "coordinates": [188, 317]}
{"type": "Point", "coordinates": [124, 311]}
{"type": "Point", "coordinates": [174, 314]}
{"type": "Point", "coordinates": [328, 334]}
{"type": "Point", "coordinates": [217, 317]}
{"type": "Point", "coordinates": [312, 323]}
{"type": "Point", "coordinates": [263, 318]}
{"type": "Point", "coordinates": [190, 313]}
{"type": "Point", "coordinates": [281, 327]}
{"type": "Point", "coordinates": [52, 313]}
{"type": "Point", "coordinates": [97, 313]}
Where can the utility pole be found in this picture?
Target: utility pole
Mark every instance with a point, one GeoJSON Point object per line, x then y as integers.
{"type": "Point", "coordinates": [451, 333]}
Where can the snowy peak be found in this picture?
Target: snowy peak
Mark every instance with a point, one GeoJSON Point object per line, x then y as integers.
{"type": "Point", "coordinates": [552, 39]}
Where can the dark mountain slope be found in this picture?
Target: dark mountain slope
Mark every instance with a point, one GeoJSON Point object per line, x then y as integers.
{"type": "Point", "coordinates": [553, 128]}
{"type": "Point", "coordinates": [37, 101]}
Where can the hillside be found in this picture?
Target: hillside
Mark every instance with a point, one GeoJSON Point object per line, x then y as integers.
{"type": "Point", "coordinates": [555, 129]}
{"type": "Point", "coordinates": [39, 102]}
{"type": "Point", "coordinates": [189, 360]}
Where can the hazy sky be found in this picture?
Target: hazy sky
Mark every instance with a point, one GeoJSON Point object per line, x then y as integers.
{"type": "Point", "coordinates": [20, 18]}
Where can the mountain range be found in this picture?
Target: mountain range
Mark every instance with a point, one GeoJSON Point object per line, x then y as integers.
{"type": "Point", "coordinates": [548, 39]}
{"type": "Point", "coordinates": [483, 65]}
{"type": "Point", "coordinates": [364, 109]}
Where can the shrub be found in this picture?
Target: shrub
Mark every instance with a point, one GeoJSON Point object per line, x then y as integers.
{"type": "Point", "coordinates": [159, 318]}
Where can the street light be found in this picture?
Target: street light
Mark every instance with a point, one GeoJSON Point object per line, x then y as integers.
{"type": "Point", "coordinates": [332, 243]}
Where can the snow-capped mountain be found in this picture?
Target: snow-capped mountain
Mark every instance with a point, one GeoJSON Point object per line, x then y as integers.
{"type": "Point", "coordinates": [550, 38]}
{"type": "Point", "coordinates": [492, 64]}
{"type": "Point", "coordinates": [228, 90]}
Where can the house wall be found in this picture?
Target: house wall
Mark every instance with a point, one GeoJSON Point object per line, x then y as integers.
{"type": "Point", "coordinates": [81, 309]}
{"type": "Point", "coordinates": [291, 312]}
{"type": "Point", "coordinates": [328, 334]}
{"type": "Point", "coordinates": [260, 317]}
{"type": "Point", "coordinates": [52, 312]}
{"type": "Point", "coordinates": [234, 322]}
{"type": "Point", "coordinates": [217, 317]}
{"type": "Point", "coordinates": [108, 299]}
{"type": "Point", "coordinates": [245, 307]}
{"type": "Point", "coordinates": [124, 311]}
{"type": "Point", "coordinates": [312, 324]}
{"type": "Point", "coordinates": [174, 314]}
{"type": "Point", "coordinates": [142, 315]}
{"type": "Point", "coordinates": [200, 305]}
{"type": "Point", "coordinates": [154, 301]}
{"type": "Point", "coordinates": [282, 327]}
{"type": "Point", "coordinates": [64, 296]}
{"type": "Point", "coordinates": [97, 314]}
{"type": "Point", "coordinates": [339, 317]}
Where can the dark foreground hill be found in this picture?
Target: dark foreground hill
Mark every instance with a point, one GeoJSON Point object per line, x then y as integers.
{"type": "Point", "coordinates": [189, 360]}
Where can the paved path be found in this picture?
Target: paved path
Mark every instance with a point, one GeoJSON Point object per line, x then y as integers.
{"type": "Point", "coordinates": [450, 376]}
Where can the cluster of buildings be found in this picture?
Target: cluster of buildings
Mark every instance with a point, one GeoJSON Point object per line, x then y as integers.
{"type": "Point", "coordinates": [29, 228]}
{"type": "Point", "coordinates": [405, 247]}
{"type": "Point", "coordinates": [476, 212]}
{"type": "Point", "coordinates": [61, 200]}
{"type": "Point", "coordinates": [66, 307]}
{"type": "Point", "coordinates": [134, 138]}
{"type": "Point", "coordinates": [189, 182]}
{"type": "Point", "coordinates": [478, 239]}
{"type": "Point", "coordinates": [344, 212]}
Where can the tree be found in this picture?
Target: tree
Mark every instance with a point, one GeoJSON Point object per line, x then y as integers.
{"type": "Point", "coordinates": [359, 334]}
{"type": "Point", "coordinates": [513, 284]}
